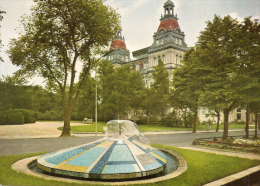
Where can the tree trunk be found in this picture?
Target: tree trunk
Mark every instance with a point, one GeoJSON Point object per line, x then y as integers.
{"type": "Point", "coordinates": [247, 122]}
{"type": "Point", "coordinates": [185, 119]}
{"type": "Point", "coordinates": [66, 127]}
{"type": "Point", "coordinates": [256, 120]}
{"type": "Point", "coordinates": [162, 118]}
{"type": "Point", "coordinates": [148, 118]}
{"type": "Point", "coordinates": [218, 121]}
{"type": "Point", "coordinates": [195, 122]}
{"type": "Point", "coordinates": [225, 132]}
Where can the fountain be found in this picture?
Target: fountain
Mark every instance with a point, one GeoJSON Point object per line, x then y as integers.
{"type": "Point", "coordinates": [124, 154]}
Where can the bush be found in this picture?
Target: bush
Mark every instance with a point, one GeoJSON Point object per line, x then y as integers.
{"type": "Point", "coordinates": [142, 121]}
{"type": "Point", "coordinates": [29, 116]}
{"type": "Point", "coordinates": [17, 116]}
{"type": "Point", "coordinates": [11, 117]}
{"type": "Point", "coordinates": [50, 116]}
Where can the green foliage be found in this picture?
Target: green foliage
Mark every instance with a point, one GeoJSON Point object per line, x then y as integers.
{"type": "Point", "coordinates": [17, 116]}
{"type": "Point", "coordinates": [29, 116]}
{"type": "Point", "coordinates": [121, 90]}
{"type": "Point", "coordinates": [1, 18]}
{"type": "Point", "coordinates": [161, 89]}
{"type": "Point", "coordinates": [11, 117]}
{"type": "Point", "coordinates": [57, 36]}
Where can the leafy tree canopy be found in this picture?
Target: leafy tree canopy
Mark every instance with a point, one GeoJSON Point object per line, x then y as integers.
{"type": "Point", "coordinates": [59, 34]}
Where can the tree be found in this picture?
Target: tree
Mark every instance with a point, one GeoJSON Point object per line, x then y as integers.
{"type": "Point", "coordinates": [59, 34]}
{"type": "Point", "coordinates": [161, 89]}
{"type": "Point", "coordinates": [85, 106]}
{"type": "Point", "coordinates": [149, 103]}
{"type": "Point", "coordinates": [186, 85]}
{"type": "Point", "coordinates": [136, 92]}
{"type": "Point", "coordinates": [217, 53]}
{"type": "Point", "coordinates": [1, 18]}
{"type": "Point", "coordinates": [248, 65]}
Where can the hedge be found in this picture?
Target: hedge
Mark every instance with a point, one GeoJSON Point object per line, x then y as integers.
{"type": "Point", "coordinates": [16, 116]}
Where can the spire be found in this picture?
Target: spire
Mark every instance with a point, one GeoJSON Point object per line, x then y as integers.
{"type": "Point", "coordinates": [118, 41]}
{"type": "Point", "coordinates": [169, 11]}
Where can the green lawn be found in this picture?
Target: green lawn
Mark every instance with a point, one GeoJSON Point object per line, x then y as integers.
{"type": "Point", "coordinates": [147, 128]}
{"type": "Point", "coordinates": [202, 168]}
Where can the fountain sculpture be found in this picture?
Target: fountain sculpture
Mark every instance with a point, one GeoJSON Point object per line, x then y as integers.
{"type": "Point", "coordinates": [124, 154]}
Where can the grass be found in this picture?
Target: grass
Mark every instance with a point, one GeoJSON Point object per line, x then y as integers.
{"type": "Point", "coordinates": [202, 168]}
{"type": "Point", "coordinates": [148, 128]}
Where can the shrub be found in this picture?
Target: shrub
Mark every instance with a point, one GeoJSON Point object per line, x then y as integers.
{"type": "Point", "coordinates": [11, 117]}
{"type": "Point", "coordinates": [142, 121]}
{"type": "Point", "coordinates": [17, 116]}
{"type": "Point", "coordinates": [29, 116]}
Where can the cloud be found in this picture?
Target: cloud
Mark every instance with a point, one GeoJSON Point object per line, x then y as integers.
{"type": "Point", "coordinates": [236, 16]}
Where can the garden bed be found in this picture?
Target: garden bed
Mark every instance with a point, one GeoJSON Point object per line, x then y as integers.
{"type": "Point", "coordinates": [232, 143]}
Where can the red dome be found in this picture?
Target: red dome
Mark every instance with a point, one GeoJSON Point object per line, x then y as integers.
{"type": "Point", "coordinates": [166, 24]}
{"type": "Point", "coordinates": [117, 44]}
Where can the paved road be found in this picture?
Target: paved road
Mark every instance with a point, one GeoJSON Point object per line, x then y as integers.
{"type": "Point", "coordinates": [23, 146]}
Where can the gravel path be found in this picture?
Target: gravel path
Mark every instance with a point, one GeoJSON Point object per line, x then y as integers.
{"type": "Point", "coordinates": [32, 130]}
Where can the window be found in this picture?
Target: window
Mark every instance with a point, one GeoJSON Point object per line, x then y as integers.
{"type": "Point", "coordinates": [126, 58]}
{"type": "Point", "coordinates": [137, 67]}
{"type": "Point", "coordinates": [157, 43]}
{"type": "Point", "coordinates": [154, 61]}
{"type": "Point", "coordinates": [164, 60]}
{"type": "Point", "coordinates": [176, 59]}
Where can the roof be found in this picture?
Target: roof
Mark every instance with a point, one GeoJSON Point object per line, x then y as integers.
{"type": "Point", "coordinates": [117, 44]}
{"type": "Point", "coordinates": [169, 2]}
{"type": "Point", "coordinates": [166, 24]}
{"type": "Point", "coordinates": [140, 52]}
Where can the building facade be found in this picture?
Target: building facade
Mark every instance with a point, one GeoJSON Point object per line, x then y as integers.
{"type": "Point", "coordinates": [168, 46]}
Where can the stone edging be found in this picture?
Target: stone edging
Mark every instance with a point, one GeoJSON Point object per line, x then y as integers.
{"type": "Point", "coordinates": [235, 177]}
{"type": "Point", "coordinates": [22, 166]}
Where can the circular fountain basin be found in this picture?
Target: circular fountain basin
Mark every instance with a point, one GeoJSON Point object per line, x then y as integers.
{"type": "Point", "coordinates": [113, 158]}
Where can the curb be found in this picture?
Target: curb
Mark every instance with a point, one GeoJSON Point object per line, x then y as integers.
{"type": "Point", "coordinates": [235, 177]}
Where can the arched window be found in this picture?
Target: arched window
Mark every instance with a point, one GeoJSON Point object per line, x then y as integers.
{"type": "Point", "coordinates": [137, 68]}
{"type": "Point", "coordinates": [171, 11]}
{"type": "Point", "coordinates": [166, 11]}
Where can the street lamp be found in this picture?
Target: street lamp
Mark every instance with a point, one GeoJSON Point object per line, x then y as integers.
{"type": "Point", "coordinates": [96, 102]}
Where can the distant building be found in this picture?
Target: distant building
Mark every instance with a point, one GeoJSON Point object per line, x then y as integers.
{"type": "Point", "coordinates": [168, 46]}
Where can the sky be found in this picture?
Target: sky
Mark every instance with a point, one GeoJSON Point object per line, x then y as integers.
{"type": "Point", "coordinates": [139, 20]}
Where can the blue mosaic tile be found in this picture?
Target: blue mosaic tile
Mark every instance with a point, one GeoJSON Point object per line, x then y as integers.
{"type": "Point", "coordinates": [152, 166]}
{"type": "Point", "coordinates": [128, 168]}
{"type": "Point", "coordinates": [121, 153]}
{"type": "Point", "coordinates": [59, 158]}
{"type": "Point", "coordinates": [159, 153]}
{"type": "Point", "coordinates": [120, 162]}
{"type": "Point", "coordinates": [98, 168]}
{"type": "Point", "coordinates": [87, 158]}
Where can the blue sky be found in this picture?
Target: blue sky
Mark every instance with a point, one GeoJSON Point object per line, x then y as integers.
{"type": "Point", "coordinates": [140, 19]}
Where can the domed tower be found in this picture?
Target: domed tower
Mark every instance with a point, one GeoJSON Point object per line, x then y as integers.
{"type": "Point", "coordinates": [168, 33]}
{"type": "Point", "coordinates": [118, 53]}
{"type": "Point", "coordinates": [168, 44]}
